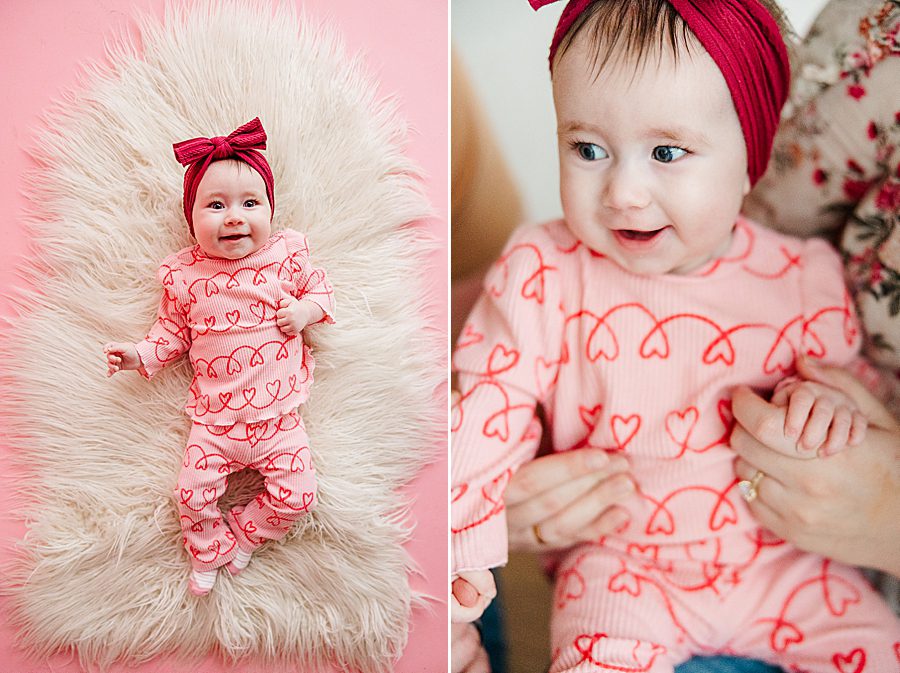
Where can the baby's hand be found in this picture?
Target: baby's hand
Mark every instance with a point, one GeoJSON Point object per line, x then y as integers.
{"type": "Point", "coordinates": [293, 315]}
{"type": "Point", "coordinates": [120, 357]}
{"type": "Point", "coordinates": [821, 419]}
{"type": "Point", "coordinates": [472, 591]}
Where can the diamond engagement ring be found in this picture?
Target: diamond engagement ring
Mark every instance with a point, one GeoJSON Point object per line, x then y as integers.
{"type": "Point", "coordinates": [749, 489]}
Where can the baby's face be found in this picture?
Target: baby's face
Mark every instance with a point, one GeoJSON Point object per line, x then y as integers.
{"type": "Point", "coordinates": [653, 166]}
{"type": "Point", "coordinates": [232, 215]}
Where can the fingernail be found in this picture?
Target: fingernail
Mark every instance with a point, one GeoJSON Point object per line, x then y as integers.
{"type": "Point", "coordinates": [624, 486]}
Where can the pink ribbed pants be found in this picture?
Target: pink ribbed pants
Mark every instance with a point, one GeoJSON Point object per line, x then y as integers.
{"type": "Point", "coordinates": [629, 610]}
{"type": "Point", "coordinates": [279, 449]}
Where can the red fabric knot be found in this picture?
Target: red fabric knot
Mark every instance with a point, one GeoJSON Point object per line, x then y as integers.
{"type": "Point", "coordinates": [744, 41]}
{"type": "Point", "coordinates": [242, 144]}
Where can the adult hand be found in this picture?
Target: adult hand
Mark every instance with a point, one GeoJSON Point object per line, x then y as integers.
{"type": "Point", "coordinates": [466, 653]}
{"type": "Point", "coordinates": [571, 497]}
{"type": "Point", "coordinates": [845, 506]}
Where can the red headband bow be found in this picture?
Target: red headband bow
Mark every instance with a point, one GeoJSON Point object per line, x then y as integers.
{"type": "Point", "coordinates": [241, 144]}
{"type": "Point", "coordinates": [744, 41]}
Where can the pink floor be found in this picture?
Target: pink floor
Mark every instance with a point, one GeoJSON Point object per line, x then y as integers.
{"type": "Point", "coordinates": [43, 44]}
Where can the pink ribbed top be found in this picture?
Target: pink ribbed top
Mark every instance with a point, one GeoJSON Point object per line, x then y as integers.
{"type": "Point", "coordinates": [222, 312]}
{"type": "Point", "coordinates": [642, 365]}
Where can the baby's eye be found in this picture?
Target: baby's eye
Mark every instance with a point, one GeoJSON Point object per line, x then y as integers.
{"type": "Point", "coordinates": [216, 205]}
{"type": "Point", "coordinates": [590, 151]}
{"type": "Point", "coordinates": [667, 153]}
{"type": "Point", "coordinates": [250, 203]}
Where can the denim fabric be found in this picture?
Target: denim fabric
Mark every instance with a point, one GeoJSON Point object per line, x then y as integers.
{"type": "Point", "coordinates": [725, 665]}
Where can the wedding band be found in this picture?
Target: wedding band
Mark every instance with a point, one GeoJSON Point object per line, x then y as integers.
{"type": "Point", "coordinates": [750, 489]}
{"type": "Point", "coordinates": [536, 528]}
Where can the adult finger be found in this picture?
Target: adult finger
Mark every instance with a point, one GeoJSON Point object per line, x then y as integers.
{"type": "Point", "coordinates": [763, 458]}
{"type": "Point", "coordinates": [840, 378]}
{"type": "Point", "coordinates": [540, 506]}
{"type": "Point", "coordinates": [574, 523]}
{"type": "Point", "coordinates": [771, 498]}
{"type": "Point", "coordinates": [556, 469]}
{"type": "Point", "coordinates": [762, 420]}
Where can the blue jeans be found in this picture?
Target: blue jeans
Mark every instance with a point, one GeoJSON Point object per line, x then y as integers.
{"type": "Point", "coordinates": [725, 665]}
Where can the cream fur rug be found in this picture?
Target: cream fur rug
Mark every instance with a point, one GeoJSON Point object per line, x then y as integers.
{"type": "Point", "coordinates": [102, 570]}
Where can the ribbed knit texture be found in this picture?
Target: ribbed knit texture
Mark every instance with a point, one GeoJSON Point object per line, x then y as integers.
{"type": "Point", "coordinates": [223, 311]}
{"type": "Point", "coordinates": [645, 365]}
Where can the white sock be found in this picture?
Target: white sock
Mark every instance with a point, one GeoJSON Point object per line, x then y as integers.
{"type": "Point", "coordinates": [204, 579]}
{"type": "Point", "coordinates": [241, 559]}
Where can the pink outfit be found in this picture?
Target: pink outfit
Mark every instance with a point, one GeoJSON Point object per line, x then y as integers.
{"type": "Point", "coordinates": [279, 450]}
{"type": "Point", "coordinates": [645, 365]}
{"type": "Point", "coordinates": [249, 379]}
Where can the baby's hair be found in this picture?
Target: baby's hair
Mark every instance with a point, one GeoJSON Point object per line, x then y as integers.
{"type": "Point", "coordinates": [638, 28]}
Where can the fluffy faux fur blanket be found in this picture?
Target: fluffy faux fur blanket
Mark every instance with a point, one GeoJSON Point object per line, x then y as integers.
{"type": "Point", "coordinates": [102, 570]}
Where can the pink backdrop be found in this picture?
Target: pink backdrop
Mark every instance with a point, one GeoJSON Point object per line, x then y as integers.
{"type": "Point", "coordinates": [42, 46]}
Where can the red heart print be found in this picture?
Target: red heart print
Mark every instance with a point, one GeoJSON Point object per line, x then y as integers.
{"type": "Point", "coordinates": [458, 492]}
{"type": "Point", "coordinates": [784, 635]}
{"type": "Point", "coordinates": [497, 425]}
{"type": "Point", "coordinates": [256, 359]}
{"type": "Point", "coordinates": [533, 288]}
{"type": "Point", "coordinates": [282, 353]}
{"type": "Point", "coordinates": [284, 493]}
{"type": "Point", "coordinates": [469, 337]}
{"type": "Point", "coordinates": [852, 662]}
{"type": "Point", "coordinates": [590, 417]}
{"type": "Point", "coordinates": [259, 278]}
{"type": "Point", "coordinates": [186, 495]}
{"type": "Point", "coordinates": [839, 594]}
{"type": "Point", "coordinates": [249, 394]}
{"type": "Point", "coordinates": [570, 587]}
{"type": "Point", "coordinates": [259, 309]}
{"type": "Point", "coordinates": [780, 357]}
{"type": "Point", "coordinates": [648, 552]}
{"type": "Point", "coordinates": [720, 349]}
{"type": "Point", "coordinates": [202, 405]}
{"type": "Point", "coordinates": [661, 522]}
{"type": "Point", "coordinates": [308, 497]}
{"type": "Point", "coordinates": [502, 359]}
{"type": "Point", "coordinates": [680, 425]}
{"type": "Point", "coordinates": [224, 398]}
{"type": "Point", "coordinates": [232, 283]}
{"type": "Point", "coordinates": [493, 492]}
{"type": "Point", "coordinates": [250, 527]}
{"type": "Point", "coordinates": [723, 513]}
{"type": "Point", "coordinates": [297, 463]}
{"type": "Point", "coordinates": [602, 342]}
{"type": "Point", "coordinates": [813, 344]}
{"type": "Point", "coordinates": [209, 494]}
{"type": "Point", "coordinates": [545, 374]}
{"type": "Point", "coordinates": [655, 343]}
{"type": "Point", "coordinates": [273, 388]}
{"type": "Point", "coordinates": [626, 581]}
{"type": "Point", "coordinates": [211, 288]}
{"type": "Point", "coordinates": [233, 316]}
{"type": "Point", "coordinates": [233, 366]}
{"type": "Point", "coordinates": [624, 429]}
{"type": "Point", "coordinates": [210, 321]}
{"type": "Point", "coordinates": [197, 527]}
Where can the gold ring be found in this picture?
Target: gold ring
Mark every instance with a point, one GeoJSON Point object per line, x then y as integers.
{"type": "Point", "coordinates": [750, 489]}
{"type": "Point", "coordinates": [536, 529]}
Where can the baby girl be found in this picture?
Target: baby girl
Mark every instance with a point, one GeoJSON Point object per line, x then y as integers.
{"type": "Point", "coordinates": [238, 302]}
{"type": "Point", "coordinates": [630, 321]}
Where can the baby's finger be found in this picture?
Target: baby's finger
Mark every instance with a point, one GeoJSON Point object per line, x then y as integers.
{"type": "Point", "coordinates": [858, 427]}
{"type": "Point", "coordinates": [817, 426]}
{"type": "Point", "coordinates": [838, 433]}
{"type": "Point", "coordinates": [465, 593]}
{"type": "Point", "coordinates": [801, 402]}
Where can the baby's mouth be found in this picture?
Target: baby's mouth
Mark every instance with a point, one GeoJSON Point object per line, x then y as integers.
{"type": "Point", "coordinates": [634, 235]}
{"type": "Point", "coordinates": [232, 237]}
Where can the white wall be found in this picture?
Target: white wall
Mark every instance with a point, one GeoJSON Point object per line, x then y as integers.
{"type": "Point", "coordinates": [504, 45]}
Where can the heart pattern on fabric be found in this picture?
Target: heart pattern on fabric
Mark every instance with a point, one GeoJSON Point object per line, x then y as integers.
{"type": "Point", "coordinates": [853, 661]}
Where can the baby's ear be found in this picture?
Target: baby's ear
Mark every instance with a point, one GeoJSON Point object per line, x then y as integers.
{"type": "Point", "coordinates": [746, 185]}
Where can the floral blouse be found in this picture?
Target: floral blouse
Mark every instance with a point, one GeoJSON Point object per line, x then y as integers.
{"type": "Point", "coordinates": [835, 168]}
